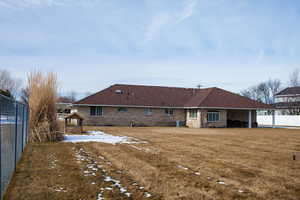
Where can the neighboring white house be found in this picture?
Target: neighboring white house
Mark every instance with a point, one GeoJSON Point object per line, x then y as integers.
{"type": "Point", "coordinates": [287, 102]}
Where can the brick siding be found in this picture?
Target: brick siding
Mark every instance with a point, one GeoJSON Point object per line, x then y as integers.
{"type": "Point", "coordinates": [112, 117]}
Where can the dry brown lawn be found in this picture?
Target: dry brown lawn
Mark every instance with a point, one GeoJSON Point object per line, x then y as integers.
{"type": "Point", "coordinates": [175, 163]}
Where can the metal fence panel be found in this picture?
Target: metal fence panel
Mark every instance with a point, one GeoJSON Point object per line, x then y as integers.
{"type": "Point", "coordinates": [13, 138]}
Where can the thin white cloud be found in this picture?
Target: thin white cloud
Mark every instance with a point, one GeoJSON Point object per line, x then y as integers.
{"type": "Point", "coordinates": [153, 30]}
{"type": "Point", "coordinates": [260, 56]}
{"type": "Point", "coordinates": [161, 20]}
{"type": "Point", "coordinates": [188, 10]}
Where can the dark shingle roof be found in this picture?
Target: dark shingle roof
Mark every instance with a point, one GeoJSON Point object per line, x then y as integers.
{"type": "Point", "coordinates": [64, 100]}
{"type": "Point", "coordinates": [157, 96]}
{"type": "Point", "coordinates": [287, 105]}
{"type": "Point", "coordinates": [290, 91]}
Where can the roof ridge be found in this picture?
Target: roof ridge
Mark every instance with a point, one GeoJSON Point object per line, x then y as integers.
{"type": "Point", "coordinates": [161, 86]}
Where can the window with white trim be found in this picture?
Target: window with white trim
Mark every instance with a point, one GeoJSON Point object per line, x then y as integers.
{"type": "Point", "coordinates": [193, 113]}
{"type": "Point", "coordinates": [213, 116]}
{"type": "Point", "coordinates": [169, 111]}
{"type": "Point", "coordinates": [148, 111]}
{"type": "Point", "coordinates": [96, 111]}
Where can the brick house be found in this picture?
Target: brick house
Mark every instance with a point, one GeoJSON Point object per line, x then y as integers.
{"type": "Point", "coordinates": [125, 105]}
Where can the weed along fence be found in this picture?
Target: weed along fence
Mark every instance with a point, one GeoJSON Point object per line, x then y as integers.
{"type": "Point", "coordinates": [13, 137]}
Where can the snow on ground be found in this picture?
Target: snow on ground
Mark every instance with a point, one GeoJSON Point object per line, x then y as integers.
{"type": "Point", "coordinates": [182, 167]}
{"type": "Point", "coordinates": [92, 167]}
{"type": "Point", "coordinates": [98, 136]}
{"type": "Point", "coordinates": [7, 119]}
{"type": "Point", "coordinates": [208, 178]}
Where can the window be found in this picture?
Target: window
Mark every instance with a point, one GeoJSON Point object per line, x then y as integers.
{"type": "Point", "coordinates": [96, 111]}
{"type": "Point", "coordinates": [122, 109]}
{"type": "Point", "coordinates": [193, 113]}
{"type": "Point", "coordinates": [118, 91]}
{"type": "Point", "coordinates": [213, 116]}
{"type": "Point", "coordinates": [148, 111]}
{"type": "Point", "coordinates": [169, 111]}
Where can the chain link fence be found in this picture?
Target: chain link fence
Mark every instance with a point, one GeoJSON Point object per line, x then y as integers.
{"type": "Point", "coordinates": [13, 137]}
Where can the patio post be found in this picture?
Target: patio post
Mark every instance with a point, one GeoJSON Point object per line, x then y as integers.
{"type": "Point", "coordinates": [250, 119]}
{"type": "Point", "coordinates": [273, 118]}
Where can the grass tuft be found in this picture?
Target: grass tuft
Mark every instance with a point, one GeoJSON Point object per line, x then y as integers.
{"type": "Point", "coordinates": [42, 99]}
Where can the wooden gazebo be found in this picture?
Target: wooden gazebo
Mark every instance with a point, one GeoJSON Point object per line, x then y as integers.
{"type": "Point", "coordinates": [73, 123]}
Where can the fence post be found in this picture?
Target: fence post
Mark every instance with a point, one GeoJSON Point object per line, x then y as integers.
{"type": "Point", "coordinates": [0, 153]}
{"type": "Point", "coordinates": [23, 106]}
{"type": "Point", "coordinates": [27, 123]}
{"type": "Point", "coordinates": [16, 134]}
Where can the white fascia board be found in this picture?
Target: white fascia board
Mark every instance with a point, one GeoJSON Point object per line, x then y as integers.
{"type": "Point", "coordinates": [287, 95]}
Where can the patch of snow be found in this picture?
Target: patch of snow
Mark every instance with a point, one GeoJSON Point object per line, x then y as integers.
{"type": "Point", "coordinates": [98, 136]}
{"type": "Point", "coordinates": [147, 194]}
{"type": "Point", "coordinates": [141, 188]}
{"type": "Point", "coordinates": [108, 188]}
{"type": "Point", "coordinates": [197, 173]}
{"type": "Point", "coordinates": [101, 157]}
{"type": "Point", "coordinates": [182, 167]}
{"type": "Point", "coordinates": [100, 197]}
{"type": "Point", "coordinates": [127, 194]}
{"type": "Point", "coordinates": [241, 191]}
{"type": "Point", "coordinates": [7, 120]}
{"type": "Point", "coordinates": [122, 190]}
{"type": "Point", "coordinates": [108, 179]}
{"type": "Point", "coordinates": [221, 183]}
{"type": "Point", "coordinates": [137, 148]}
{"type": "Point", "coordinates": [60, 189]}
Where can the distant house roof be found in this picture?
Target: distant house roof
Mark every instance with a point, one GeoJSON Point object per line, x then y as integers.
{"type": "Point", "coordinates": [290, 91]}
{"type": "Point", "coordinates": [64, 100]}
{"type": "Point", "coordinates": [287, 105]}
{"type": "Point", "coordinates": [157, 96]}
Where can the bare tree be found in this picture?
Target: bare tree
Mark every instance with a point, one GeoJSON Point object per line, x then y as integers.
{"type": "Point", "coordinates": [247, 93]}
{"type": "Point", "coordinates": [7, 82]}
{"type": "Point", "coordinates": [252, 93]}
{"type": "Point", "coordinates": [24, 95]}
{"type": "Point", "coordinates": [295, 78]}
{"type": "Point", "coordinates": [275, 87]}
{"type": "Point", "coordinates": [88, 94]}
{"type": "Point", "coordinates": [264, 92]}
{"type": "Point", "coordinates": [72, 96]}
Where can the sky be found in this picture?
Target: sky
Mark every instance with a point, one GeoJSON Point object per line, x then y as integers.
{"type": "Point", "coordinates": [91, 44]}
